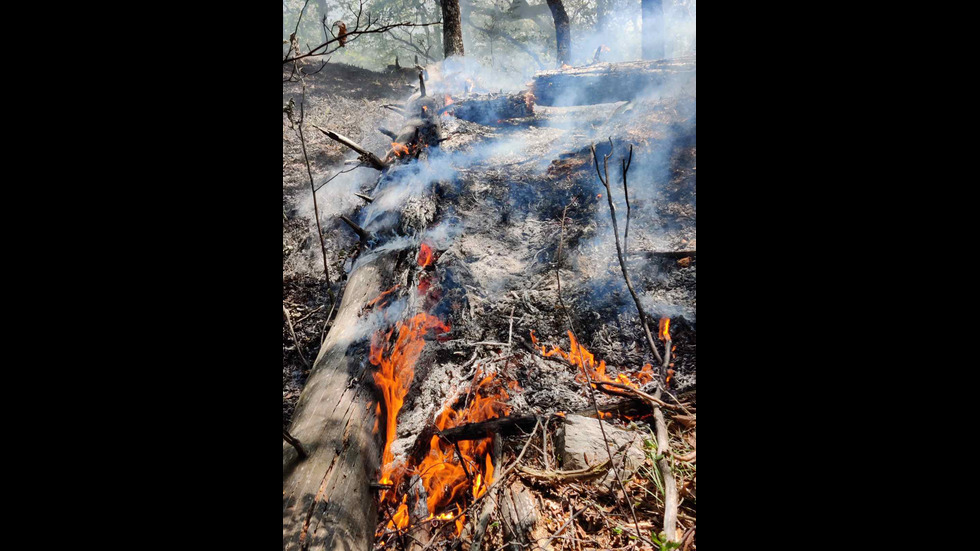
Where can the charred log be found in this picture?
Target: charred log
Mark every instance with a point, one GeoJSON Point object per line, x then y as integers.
{"type": "Point", "coordinates": [610, 82]}
{"type": "Point", "coordinates": [492, 108]}
{"type": "Point", "coordinates": [366, 155]}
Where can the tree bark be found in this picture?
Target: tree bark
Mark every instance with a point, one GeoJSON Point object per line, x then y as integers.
{"type": "Point", "coordinates": [654, 33]}
{"type": "Point", "coordinates": [326, 500]}
{"type": "Point", "coordinates": [563, 32]}
{"type": "Point", "coordinates": [452, 28]}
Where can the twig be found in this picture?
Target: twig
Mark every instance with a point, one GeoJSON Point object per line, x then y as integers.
{"type": "Point", "coordinates": [364, 197]}
{"type": "Point", "coordinates": [299, 347]}
{"type": "Point", "coordinates": [309, 172]}
{"type": "Point", "coordinates": [626, 190]}
{"type": "Point", "coordinates": [622, 261]}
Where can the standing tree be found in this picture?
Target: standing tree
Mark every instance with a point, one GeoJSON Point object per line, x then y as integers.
{"type": "Point", "coordinates": [653, 29]}
{"type": "Point", "coordinates": [452, 28]}
{"type": "Point", "coordinates": [563, 33]}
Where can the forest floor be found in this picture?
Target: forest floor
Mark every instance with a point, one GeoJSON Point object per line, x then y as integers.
{"type": "Point", "coordinates": [524, 201]}
{"type": "Point", "coordinates": [346, 99]}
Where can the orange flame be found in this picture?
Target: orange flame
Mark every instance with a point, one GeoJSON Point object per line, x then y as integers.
{"type": "Point", "coordinates": [399, 149]}
{"type": "Point", "coordinates": [580, 357]}
{"type": "Point", "coordinates": [396, 360]}
{"type": "Point", "coordinates": [425, 256]}
{"type": "Point", "coordinates": [665, 329]}
{"type": "Point", "coordinates": [443, 476]}
{"type": "Point", "coordinates": [449, 100]}
{"type": "Point", "coordinates": [381, 297]}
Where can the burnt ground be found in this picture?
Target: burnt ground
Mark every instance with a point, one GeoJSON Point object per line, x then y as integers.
{"type": "Point", "coordinates": [517, 193]}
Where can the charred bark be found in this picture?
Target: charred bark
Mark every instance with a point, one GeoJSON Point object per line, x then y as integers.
{"type": "Point", "coordinates": [452, 28]}
{"type": "Point", "coordinates": [611, 82]}
{"type": "Point", "coordinates": [653, 29]}
{"type": "Point", "coordinates": [492, 108]}
{"type": "Point", "coordinates": [563, 32]}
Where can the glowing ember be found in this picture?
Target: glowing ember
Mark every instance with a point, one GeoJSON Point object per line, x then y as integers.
{"type": "Point", "coordinates": [425, 256]}
{"type": "Point", "coordinates": [399, 149]}
{"type": "Point", "coordinates": [665, 329]}
{"type": "Point", "coordinates": [395, 353]}
{"type": "Point", "coordinates": [449, 100]}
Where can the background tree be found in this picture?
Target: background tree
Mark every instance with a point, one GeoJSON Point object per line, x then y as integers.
{"type": "Point", "coordinates": [452, 28]}
{"type": "Point", "coordinates": [653, 29]}
{"type": "Point", "coordinates": [563, 32]}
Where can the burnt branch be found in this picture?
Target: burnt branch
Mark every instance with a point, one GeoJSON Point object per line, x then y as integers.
{"type": "Point", "coordinates": [361, 232]}
{"type": "Point", "coordinates": [369, 157]}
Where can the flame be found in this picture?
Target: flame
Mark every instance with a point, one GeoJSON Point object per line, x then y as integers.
{"type": "Point", "coordinates": [399, 149]}
{"type": "Point", "coordinates": [396, 361]}
{"type": "Point", "coordinates": [381, 297]}
{"type": "Point", "coordinates": [665, 329]}
{"type": "Point", "coordinates": [425, 256]}
{"type": "Point", "coordinates": [443, 476]}
{"type": "Point", "coordinates": [449, 100]}
{"type": "Point", "coordinates": [580, 357]}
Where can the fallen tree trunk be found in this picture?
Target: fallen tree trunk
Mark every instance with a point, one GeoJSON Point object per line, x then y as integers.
{"type": "Point", "coordinates": [326, 501]}
{"type": "Point", "coordinates": [610, 82]}
{"type": "Point", "coordinates": [492, 108]}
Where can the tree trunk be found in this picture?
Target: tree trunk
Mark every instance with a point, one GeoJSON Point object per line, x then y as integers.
{"type": "Point", "coordinates": [609, 82]}
{"type": "Point", "coordinates": [602, 13]}
{"type": "Point", "coordinates": [563, 32]}
{"type": "Point", "coordinates": [326, 502]}
{"type": "Point", "coordinates": [654, 33]}
{"type": "Point", "coordinates": [452, 28]}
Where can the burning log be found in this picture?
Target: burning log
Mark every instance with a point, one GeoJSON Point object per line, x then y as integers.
{"type": "Point", "coordinates": [609, 82]}
{"type": "Point", "coordinates": [492, 108]}
{"type": "Point", "coordinates": [327, 500]}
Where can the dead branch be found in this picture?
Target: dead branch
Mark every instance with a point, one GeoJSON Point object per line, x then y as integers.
{"type": "Point", "coordinates": [371, 158]}
{"type": "Point", "coordinates": [421, 83]}
{"type": "Point", "coordinates": [504, 426]}
{"type": "Point", "coordinates": [663, 441]}
{"type": "Point", "coordinates": [623, 389]}
{"type": "Point", "coordinates": [361, 27]}
{"type": "Point", "coordinates": [309, 172]}
{"type": "Point", "coordinates": [299, 348]}
{"type": "Point", "coordinates": [364, 197]}
{"type": "Point", "coordinates": [587, 473]}
{"type": "Point", "coordinates": [387, 132]}
{"type": "Point", "coordinates": [619, 252]}
{"type": "Point", "coordinates": [361, 232]}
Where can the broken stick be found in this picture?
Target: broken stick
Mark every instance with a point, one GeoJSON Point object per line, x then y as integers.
{"type": "Point", "coordinates": [371, 158]}
{"type": "Point", "coordinates": [361, 232]}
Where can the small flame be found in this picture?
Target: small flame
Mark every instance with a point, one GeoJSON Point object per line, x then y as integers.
{"type": "Point", "coordinates": [399, 149]}
{"type": "Point", "coordinates": [665, 329]}
{"type": "Point", "coordinates": [449, 100]}
{"type": "Point", "coordinates": [425, 256]}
